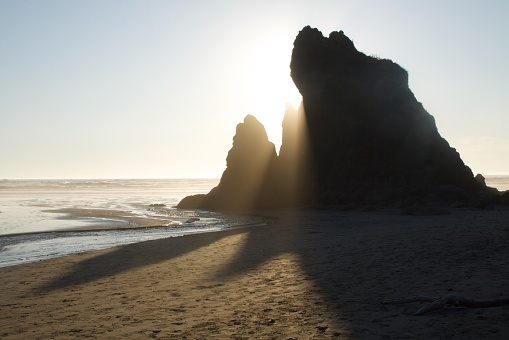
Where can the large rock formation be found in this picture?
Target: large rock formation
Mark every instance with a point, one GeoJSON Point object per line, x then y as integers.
{"type": "Point", "coordinates": [250, 176]}
{"type": "Point", "coordinates": [360, 137]}
{"type": "Point", "coordinates": [370, 139]}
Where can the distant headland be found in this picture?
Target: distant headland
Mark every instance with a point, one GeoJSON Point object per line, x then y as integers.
{"type": "Point", "coordinates": [360, 139]}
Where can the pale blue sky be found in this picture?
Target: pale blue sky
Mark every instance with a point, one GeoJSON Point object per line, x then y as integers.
{"type": "Point", "coordinates": [154, 89]}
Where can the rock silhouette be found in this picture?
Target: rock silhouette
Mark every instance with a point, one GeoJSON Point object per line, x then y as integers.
{"type": "Point", "coordinates": [360, 137]}
{"type": "Point", "coordinates": [250, 175]}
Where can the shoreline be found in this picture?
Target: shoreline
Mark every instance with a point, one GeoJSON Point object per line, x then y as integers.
{"type": "Point", "coordinates": [88, 230]}
{"type": "Point", "coordinates": [27, 247]}
{"type": "Point", "coordinates": [144, 223]}
{"type": "Point", "coordinates": [309, 274]}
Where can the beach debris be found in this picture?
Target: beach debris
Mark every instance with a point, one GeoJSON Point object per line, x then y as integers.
{"type": "Point", "coordinates": [322, 328]}
{"type": "Point", "coordinates": [453, 300]}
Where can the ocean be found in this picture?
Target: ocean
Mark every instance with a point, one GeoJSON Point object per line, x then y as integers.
{"type": "Point", "coordinates": [41, 219]}
{"type": "Point", "coordinates": [501, 182]}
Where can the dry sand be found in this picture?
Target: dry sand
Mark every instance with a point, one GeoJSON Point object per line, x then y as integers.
{"type": "Point", "coordinates": [308, 275]}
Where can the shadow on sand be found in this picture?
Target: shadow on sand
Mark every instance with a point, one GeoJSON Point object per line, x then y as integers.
{"type": "Point", "coordinates": [356, 261]}
{"type": "Point", "coordinates": [132, 256]}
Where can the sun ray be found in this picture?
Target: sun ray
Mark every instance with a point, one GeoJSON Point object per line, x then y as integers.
{"type": "Point", "coordinates": [270, 87]}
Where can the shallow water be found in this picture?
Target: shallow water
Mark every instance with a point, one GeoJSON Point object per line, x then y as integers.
{"type": "Point", "coordinates": [42, 219]}
{"type": "Point", "coordinates": [35, 247]}
{"type": "Point", "coordinates": [29, 206]}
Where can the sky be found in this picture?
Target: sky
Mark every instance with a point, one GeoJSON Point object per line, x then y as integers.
{"type": "Point", "coordinates": [155, 89]}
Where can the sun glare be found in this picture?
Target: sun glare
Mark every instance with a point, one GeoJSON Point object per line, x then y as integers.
{"type": "Point", "coordinates": [270, 87]}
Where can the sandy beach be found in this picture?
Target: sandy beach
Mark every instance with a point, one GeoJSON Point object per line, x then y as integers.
{"type": "Point", "coordinates": [306, 275]}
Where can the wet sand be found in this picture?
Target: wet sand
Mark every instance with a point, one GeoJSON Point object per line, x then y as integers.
{"type": "Point", "coordinates": [306, 275]}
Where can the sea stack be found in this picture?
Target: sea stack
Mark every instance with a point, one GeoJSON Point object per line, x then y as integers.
{"type": "Point", "coordinates": [360, 138]}
{"type": "Point", "coordinates": [370, 139]}
{"type": "Point", "coordinates": [249, 178]}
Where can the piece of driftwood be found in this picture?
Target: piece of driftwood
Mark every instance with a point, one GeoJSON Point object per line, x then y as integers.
{"type": "Point", "coordinates": [453, 300]}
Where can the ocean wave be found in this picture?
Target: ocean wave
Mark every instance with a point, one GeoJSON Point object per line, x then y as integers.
{"type": "Point", "coordinates": [131, 184]}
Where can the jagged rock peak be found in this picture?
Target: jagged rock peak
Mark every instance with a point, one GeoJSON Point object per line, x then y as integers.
{"type": "Point", "coordinates": [249, 174]}
{"type": "Point", "coordinates": [310, 35]}
{"type": "Point", "coordinates": [250, 131]}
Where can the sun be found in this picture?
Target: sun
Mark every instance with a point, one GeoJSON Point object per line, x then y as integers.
{"type": "Point", "coordinates": [270, 87]}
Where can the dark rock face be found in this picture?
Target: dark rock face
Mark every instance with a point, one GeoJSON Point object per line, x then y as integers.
{"type": "Point", "coordinates": [370, 139]}
{"type": "Point", "coordinates": [505, 197]}
{"type": "Point", "coordinates": [250, 174]}
{"type": "Point", "coordinates": [360, 138]}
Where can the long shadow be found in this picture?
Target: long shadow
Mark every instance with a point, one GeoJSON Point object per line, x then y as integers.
{"type": "Point", "coordinates": [355, 261]}
{"type": "Point", "coordinates": [358, 260]}
{"type": "Point", "coordinates": [132, 256]}
{"type": "Point", "coordinates": [265, 243]}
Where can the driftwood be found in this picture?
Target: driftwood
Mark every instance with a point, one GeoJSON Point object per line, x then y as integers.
{"type": "Point", "coordinates": [453, 300]}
